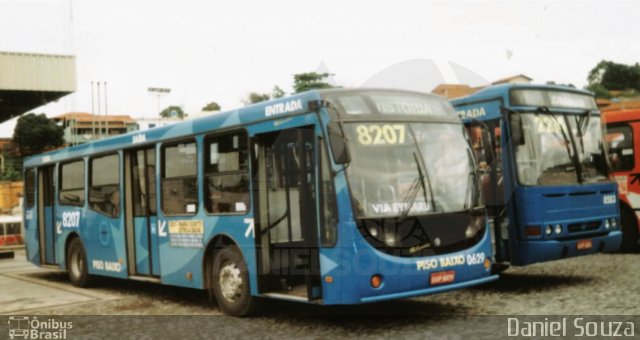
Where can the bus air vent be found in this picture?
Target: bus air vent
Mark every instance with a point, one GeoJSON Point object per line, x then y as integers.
{"type": "Point", "coordinates": [584, 226]}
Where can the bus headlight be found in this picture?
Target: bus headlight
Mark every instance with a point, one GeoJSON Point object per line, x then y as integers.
{"type": "Point", "coordinates": [614, 223]}
{"type": "Point", "coordinates": [373, 231]}
{"type": "Point", "coordinates": [558, 228]}
{"type": "Point", "coordinates": [475, 225]}
{"type": "Point", "coordinates": [607, 224]}
{"type": "Point", "coordinates": [390, 239]}
{"type": "Point", "coordinates": [548, 230]}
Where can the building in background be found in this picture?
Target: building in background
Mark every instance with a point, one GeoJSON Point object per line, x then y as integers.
{"type": "Point", "coordinates": [83, 127]}
{"type": "Point", "coordinates": [150, 123]}
{"type": "Point", "coordinates": [517, 79]}
{"type": "Point", "coordinates": [452, 91]}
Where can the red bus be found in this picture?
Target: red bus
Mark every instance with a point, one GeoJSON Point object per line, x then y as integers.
{"type": "Point", "coordinates": [10, 230]}
{"type": "Point", "coordinates": [623, 139]}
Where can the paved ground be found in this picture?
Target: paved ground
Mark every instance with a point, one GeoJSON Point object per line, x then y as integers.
{"type": "Point", "coordinates": [605, 284]}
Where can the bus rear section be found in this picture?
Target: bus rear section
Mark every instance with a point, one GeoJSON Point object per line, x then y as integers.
{"type": "Point", "coordinates": [623, 129]}
{"type": "Point", "coordinates": [548, 190]}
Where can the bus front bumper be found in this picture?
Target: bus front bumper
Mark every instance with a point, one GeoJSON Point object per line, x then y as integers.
{"type": "Point", "coordinates": [431, 290]}
{"type": "Point", "coordinates": [548, 250]}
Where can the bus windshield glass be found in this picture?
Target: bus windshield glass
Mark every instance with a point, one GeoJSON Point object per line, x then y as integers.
{"type": "Point", "coordinates": [409, 169]}
{"type": "Point", "coordinates": [551, 141]}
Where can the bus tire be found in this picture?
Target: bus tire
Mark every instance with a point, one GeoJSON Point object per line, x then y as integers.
{"type": "Point", "coordinates": [77, 264]}
{"type": "Point", "coordinates": [629, 230]}
{"type": "Point", "coordinates": [230, 282]}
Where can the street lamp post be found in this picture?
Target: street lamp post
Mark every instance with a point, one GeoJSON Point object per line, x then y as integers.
{"type": "Point", "coordinates": [158, 92]}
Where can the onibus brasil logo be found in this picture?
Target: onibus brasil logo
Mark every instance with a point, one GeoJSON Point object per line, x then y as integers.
{"type": "Point", "coordinates": [24, 327]}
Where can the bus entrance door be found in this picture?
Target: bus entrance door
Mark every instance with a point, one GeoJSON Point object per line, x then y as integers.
{"type": "Point", "coordinates": [46, 217]}
{"type": "Point", "coordinates": [286, 178]}
{"type": "Point", "coordinates": [141, 212]}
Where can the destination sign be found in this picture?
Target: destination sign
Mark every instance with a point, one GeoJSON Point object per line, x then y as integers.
{"type": "Point", "coordinates": [552, 98]}
{"type": "Point", "coordinates": [393, 103]}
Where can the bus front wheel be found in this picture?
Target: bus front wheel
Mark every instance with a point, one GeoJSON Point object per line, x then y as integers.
{"type": "Point", "coordinates": [77, 264]}
{"type": "Point", "coordinates": [629, 230]}
{"type": "Point", "coordinates": [230, 282]}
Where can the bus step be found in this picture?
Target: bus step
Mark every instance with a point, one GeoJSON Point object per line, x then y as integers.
{"type": "Point", "coordinates": [145, 278]}
{"type": "Point", "coordinates": [7, 254]}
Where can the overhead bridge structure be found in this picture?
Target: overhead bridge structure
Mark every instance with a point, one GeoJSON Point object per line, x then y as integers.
{"type": "Point", "coordinates": [30, 80]}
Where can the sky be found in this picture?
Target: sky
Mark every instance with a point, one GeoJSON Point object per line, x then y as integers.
{"type": "Point", "coordinates": [222, 50]}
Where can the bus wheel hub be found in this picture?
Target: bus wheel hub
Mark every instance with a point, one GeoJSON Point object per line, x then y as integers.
{"type": "Point", "coordinates": [230, 282]}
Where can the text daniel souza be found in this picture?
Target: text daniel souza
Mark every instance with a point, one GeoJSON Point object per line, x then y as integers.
{"type": "Point", "coordinates": [563, 327]}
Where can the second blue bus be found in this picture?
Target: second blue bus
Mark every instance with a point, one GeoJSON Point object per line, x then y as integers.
{"type": "Point", "coordinates": [545, 180]}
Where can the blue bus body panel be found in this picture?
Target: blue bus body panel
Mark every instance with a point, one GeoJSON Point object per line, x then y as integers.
{"type": "Point", "coordinates": [358, 261]}
{"type": "Point", "coordinates": [49, 236]}
{"type": "Point", "coordinates": [401, 276]}
{"type": "Point", "coordinates": [575, 206]}
{"type": "Point", "coordinates": [104, 241]}
{"type": "Point", "coordinates": [143, 250]}
{"type": "Point", "coordinates": [551, 205]}
{"type": "Point", "coordinates": [31, 235]}
{"type": "Point", "coordinates": [155, 246]}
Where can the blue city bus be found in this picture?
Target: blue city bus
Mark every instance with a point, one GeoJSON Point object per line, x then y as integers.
{"type": "Point", "coordinates": [328, 197]}
{"type": "Point", "coordinates": [545, 185]}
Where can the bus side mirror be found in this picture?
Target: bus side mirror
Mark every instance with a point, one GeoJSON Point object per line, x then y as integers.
{"type": "Point", "coordinates": [338, 144]}
{"type": "Point", "coordinates": [515, 124]}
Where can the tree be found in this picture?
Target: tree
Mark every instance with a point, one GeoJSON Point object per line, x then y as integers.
{"type": "Point", "coordinates": [599, 91]}
{"type": "Point", "coordinates": [213, 106]}
{"type": "Point", "coordinates": [277, 92]}
{"type": "Point", "coordinates": [614, 76]}
{"type": "Point", "coordinates": [172, 111]}
{"type": "Point", "coordinates": [255, 97]}
{"type": "Point", "coordinates": [309, 81]}
{"type": "Point", "coordinates": [36, 133]}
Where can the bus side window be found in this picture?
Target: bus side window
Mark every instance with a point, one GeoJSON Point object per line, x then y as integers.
{"type": "Point", "coordinates": [180, 178]}
{"type": "Point", "coordinates": [475, 139]}
{"type": "Point", "coordinates": [328, 203]}
{"type": "Point", "coordinates": [104, 188]}
{"type": "Point", "coordinates": [620, 141]}
{"type": "Point", "coordinates": [226, 188]}
{"type": "Point", "coordinates": [72, 184]}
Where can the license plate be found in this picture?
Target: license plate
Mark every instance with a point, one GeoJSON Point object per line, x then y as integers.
{"type": "Point", "coordinates": [584, 244]}
{"type": "Point", "coordinates": [439, 278]}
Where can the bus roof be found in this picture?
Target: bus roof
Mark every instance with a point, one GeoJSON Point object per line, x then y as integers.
{"type": "Point", "coordinates": [502, 91]}
{"type": "Point", "coordinates": [624, 115]}
{"type": "Point", "coordinates": [268, 110]}
{"type": "Point", "coordinates": [294, 104]}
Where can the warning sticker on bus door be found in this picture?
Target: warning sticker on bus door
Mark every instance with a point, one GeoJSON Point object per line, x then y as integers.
{"type": "Point", "coordinates": [186, 233]}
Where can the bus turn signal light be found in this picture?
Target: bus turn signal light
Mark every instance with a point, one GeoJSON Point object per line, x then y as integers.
{"type": "Point", "coordinates": [532, 231]}
{"type": "Point", "coordinates": [376, 281]}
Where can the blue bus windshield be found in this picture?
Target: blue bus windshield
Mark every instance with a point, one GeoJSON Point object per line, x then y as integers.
{"type": "Point", "coordinates": [546, 156]}
{"type": "Point", "coordinates": [409, 169]}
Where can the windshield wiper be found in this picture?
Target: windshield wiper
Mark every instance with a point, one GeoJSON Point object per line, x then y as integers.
{"type": "Point", "coordinates": [545, 110]}
{"type": "Point", "coordinates": [473, 188]}
{"type": "Point", "coordinates": [415, 187]}
{"type": "Point", "coordinates": [567, 140]}
{"type": "Point", "coordinates": [582, 123]}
